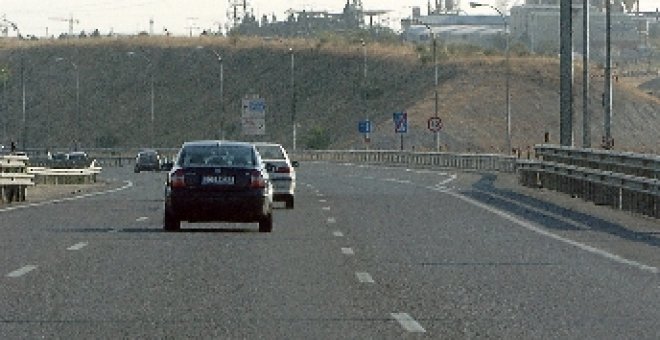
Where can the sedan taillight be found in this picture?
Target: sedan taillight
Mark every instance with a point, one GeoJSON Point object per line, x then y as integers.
{"type": "Point", "coordinates": [283, 170]}
{"type": "Point", "coordinates": [178, 179]}
{"type": "Point", "coordinates": [257, 181]}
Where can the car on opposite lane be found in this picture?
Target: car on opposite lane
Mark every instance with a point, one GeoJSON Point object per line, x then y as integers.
{"type": "Point", "coordinates": [281, 170]}
{"type": "Point", "coordinates": [218, 181]}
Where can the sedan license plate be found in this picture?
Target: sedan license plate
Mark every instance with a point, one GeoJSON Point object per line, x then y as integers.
{"type": "Point", "coordinates": [222, 180]}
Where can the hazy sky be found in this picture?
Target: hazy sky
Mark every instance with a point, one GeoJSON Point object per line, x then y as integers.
{"type": "Point", "coordinates": [41, 17]}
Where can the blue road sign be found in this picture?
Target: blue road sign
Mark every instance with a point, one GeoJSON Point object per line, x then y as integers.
{"type": "Point", "coordinates": [400, 122]}
{"type": "Point", "coordinates": [364, 126]}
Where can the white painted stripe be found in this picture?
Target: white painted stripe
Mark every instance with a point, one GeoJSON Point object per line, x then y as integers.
{"type": "Point", "coordinates": [78, 246]}
{"type": "Point", "coordinates": [338, 234]}
{"type": "Point", "coordinates": [408, 323]}
{"type": "Point", "coordinates": [22, 271]}
{"type": "Point", "coordinates": [323, 201]}
{"type": "Point", "coordinates": [331, 220]}
{"type": "Point", "coordinates": [326, 208]}
{"type": "Point", "coordinates": [142, 219]}
{"type": "Point", "coordinates": [364, 277]}
{"type": "Point", "coordinates": [347, 251]}
{"type": "Point", "coordinates": [539, 230]}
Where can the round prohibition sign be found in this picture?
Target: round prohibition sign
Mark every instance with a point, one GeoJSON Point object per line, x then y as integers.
{"type": "Point", "coordinates": [435, 124]}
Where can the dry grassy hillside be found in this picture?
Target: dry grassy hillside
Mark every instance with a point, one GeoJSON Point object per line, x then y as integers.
{"type": "Point", "coordinates": [329, 77]}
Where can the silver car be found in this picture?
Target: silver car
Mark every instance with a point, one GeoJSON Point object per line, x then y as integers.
{"type": "Point", "coordinates": [281, 171]}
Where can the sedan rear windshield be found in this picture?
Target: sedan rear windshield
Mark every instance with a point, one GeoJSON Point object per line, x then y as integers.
{"type": "Point", "coordinates": [270, 152]}
{"type": "Point", "coordinates": [217, 155]}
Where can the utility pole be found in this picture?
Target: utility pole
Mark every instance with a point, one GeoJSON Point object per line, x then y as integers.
{"type": "Point", "coordinates": [607, 139]}
{"type": "Point", "coordinates": [566, 73]}
{"type": "Point", "coordinates": [586, 116]}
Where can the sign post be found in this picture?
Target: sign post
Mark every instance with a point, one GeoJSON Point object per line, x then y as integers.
{"type": "Point", "coordinates": [253, 118]}
{"type": "Point", "coordinates": [435, 125]}
{"type": "Point", "coordinates": [400, 124]}
{"type": "Point", "coordinates": [364, 127]}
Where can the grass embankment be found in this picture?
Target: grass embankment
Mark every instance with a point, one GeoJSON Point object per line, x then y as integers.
{"type": "Point", "coordinates": [115, 106]}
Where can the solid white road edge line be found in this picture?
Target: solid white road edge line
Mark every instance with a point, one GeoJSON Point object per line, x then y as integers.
{"type": "Point", "coordinates": [408, 323]}
{"type": "Point", "coordinates": [532, 227]}
{"type": "Point", "coordinates": [22, 271]}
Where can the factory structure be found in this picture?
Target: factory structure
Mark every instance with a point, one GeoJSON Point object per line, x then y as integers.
{"type": "Point", "coordinates": [534, 25]}
{"type": "Point", "coordinates": [301, 23]}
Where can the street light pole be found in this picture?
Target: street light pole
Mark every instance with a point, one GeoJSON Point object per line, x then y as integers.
{"type": "Point", "coordinates": [4, 107]}
{"type": "Point", "coordinates": [508, 72]}
{"type": "Point", "coordinates": [364, 92]}
{"type": "Point", "coordinates": [222, 95]}
{"type": "Point", "coordinates": [435, 66]}
{"type": "Point", "coordinates": [293, 97]}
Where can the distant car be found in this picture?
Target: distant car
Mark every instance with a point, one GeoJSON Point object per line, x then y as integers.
{"type": "Point", "coordinates": [147, 160]}
{"type": "Point", "coordinates": [218, 181]}
{"type": "Point", "coordinates": [77, 156]}
{"type": "Point", "coordinates": [281, 171]}
{"type": "Point", "coordinates": [59, 157]}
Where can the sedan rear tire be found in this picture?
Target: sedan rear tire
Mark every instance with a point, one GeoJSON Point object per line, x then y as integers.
{"type": "Point", "coordinates": [171, 223]}
{"type": "Point", "coordinates": [289, 202]}
{"type": "Point", "coordinates": [266, 224]}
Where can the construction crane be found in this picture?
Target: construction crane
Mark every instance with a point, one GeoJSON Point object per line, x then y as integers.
{"type": "Point", "coordinates": [70, 20]}
{"type": "Point", "coordinates": [236, 11]}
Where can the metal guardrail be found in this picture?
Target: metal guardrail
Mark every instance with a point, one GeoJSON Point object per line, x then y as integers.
{"type": "Point", "coordinates": [43, 175]}
{"type": "Point", "coordinates": [479, 162]}
{"type": "Point", "coordinates": [17, 173]}
{"type": "Point", "coordinates": [625, 181]}
{"type": "Point", "coordinates": [14, 178]}
{"type": "Point", "coordinates": [642, 165]}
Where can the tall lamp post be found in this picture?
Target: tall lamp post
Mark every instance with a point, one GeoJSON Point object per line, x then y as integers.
{"type": "Point", "coordinates": [364, 92]}
{"type": "Point", "coordinates": [4, 74]}
{"type": "Point", "coordinates": [222, 94]}
{"type": "Point", "coordinates": [77, 71]}
{"type": "Point", "coordinates": [293, 97]}
{"type": "Point", "coordinates": [508, 72]}
{"type": "Point", "coordinates": [435, 65]}
{"type": "Point", "coordinates": [221, 116]}
{"type": "Point", "coordinates": [151, 97]}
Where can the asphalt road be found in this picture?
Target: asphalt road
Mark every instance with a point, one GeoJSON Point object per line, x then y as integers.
{"type": "Point", "coordinates": [367, 253]}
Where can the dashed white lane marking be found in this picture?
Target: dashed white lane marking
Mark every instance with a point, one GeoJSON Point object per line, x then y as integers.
{"type": "Point", "coordinates": [534, 228]}
{"type": "Point", "coordinates": [142, 219]}
{"type": "Point", "coordinates": [61, 200]}
{"type": "Point", "coordinates": [326, 208]}
{"type": "Point", "coordinates": [323, 201]}
{"type": "Point", "coordinates": [408, 323]}
{"type": "Point", "coordinates": [347, 251]}
{"type": "Point", "coordinates": [22, 271]}
{"type": "Point", "coordinates": [331, 220]}
{"type": "Point", "coordinates": [78, 246]}
{"type": "Point", "coordinates": [364, 277]}
{"type": "Point", "coordinates": [340, 234]}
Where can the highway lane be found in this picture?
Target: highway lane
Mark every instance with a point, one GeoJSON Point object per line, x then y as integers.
{"type": "Point", "coordinates": [368, 252]}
